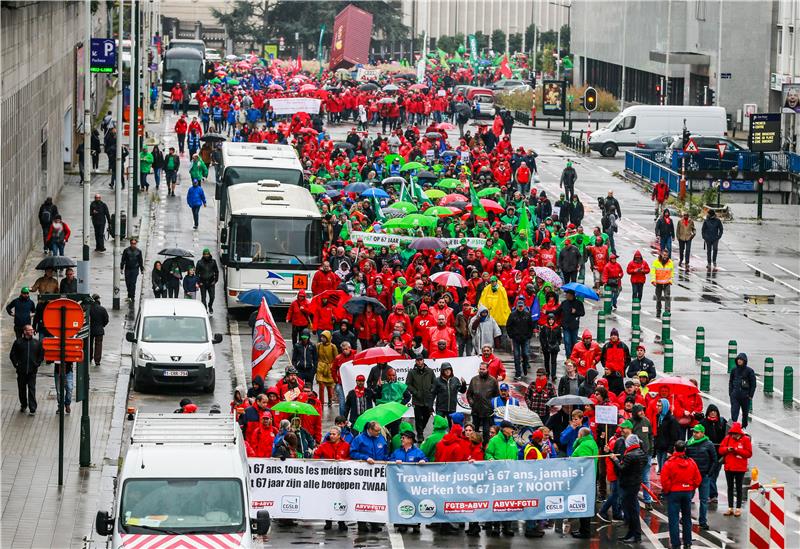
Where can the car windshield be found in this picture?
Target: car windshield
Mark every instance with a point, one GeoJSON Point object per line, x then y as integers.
{"type": "Point", "coordinates": [236, 174]}
{"type": "Point", "coordinates": [611, 125]}
{"type": "Point", "coordinates": [279, 241]}
{"type": "Point", "coordinates": [181, 506]}
{"type": "Point", "coordinates": [174, 329]}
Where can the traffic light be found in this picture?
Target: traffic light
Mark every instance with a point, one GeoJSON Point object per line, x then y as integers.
{"type": "Point", "coordinates": [711, 97]}
{"type": "Point", "coordinates": [209, 70]}
{"type": "Point", "coordinates": [590, 99]}
{"type": "Point", "coordinates": [686, 136]}
{"type": "Point", "coordinates": [700, 97]}
{"type": "Point", "coordinates": [669, 88]}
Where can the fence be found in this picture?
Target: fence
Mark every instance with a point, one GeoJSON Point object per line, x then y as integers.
{"type": "Point", "coordinates": [575, 142]}
{"type": "Point", "coordinates": [647, 168]}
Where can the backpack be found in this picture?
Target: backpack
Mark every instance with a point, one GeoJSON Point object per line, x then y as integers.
{"type": "Point", "coordinates": [45, 217]}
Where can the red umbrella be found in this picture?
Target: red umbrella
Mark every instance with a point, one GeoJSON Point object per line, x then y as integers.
{"type": "Point", "coordinates": [309, 131]}
{"type": "Point", "coordinates": [417, 87]}
{"type": "Point", "coordinates": [308, 88]}
{"type": "Point", "coordinates": [489, 206]}
{"type": "Point", "coordinates": [447, 278]}
{"type": "Point", "coordinates": [275, 87]}
{"type": "Point", "coordinates": [445, 126]}
{"type": "Point", "coordinates": [336, 300]}
{"type": "Point", "coordinates": [678, 386]}
{"type": "Point", "coordinates": [376, 355]}
{"type": "Point", "coordinates": [453, 197]}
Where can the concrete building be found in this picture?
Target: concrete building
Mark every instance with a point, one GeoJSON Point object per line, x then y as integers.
{"type": "Point", "coordinates": [41, 90]}
{"type": "Point", "coordinates": [699, 45]}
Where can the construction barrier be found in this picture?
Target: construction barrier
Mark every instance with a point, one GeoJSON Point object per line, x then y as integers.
{"type": "Point", "coordinates": [666, 320]}
{"type": "Point", "coordinates": [765, 517]}
{"type": "Point", "coordinates": [636, 313]}
{"type": "Point", "coordinates": [769, 367]}
{"type": "Point", "coordinates": [601, 328]}
{"type": "Point", "coordinates": [705, 374]}
{"type": "Point", "coordinates": [731, 355]}
{"type": "Point", "coordinates": [636, 338]}
{"type": "Point", "coordinates": [700, 343]}
{"type": "Point", "coordinates": [788, 385]}
{"type": "Point", "coordinates": [607, 300]}
{"type": "Point", "coordinates": [668, 356]}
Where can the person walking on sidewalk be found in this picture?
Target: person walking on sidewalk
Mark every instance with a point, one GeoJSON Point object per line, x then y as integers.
{"type": "Point", "coordinates": [181, 127]}
{"type": "Point", "coordinates": [158, 164]}
{"type": "Point", "coordinates": [68, 384]}
{"type": "Point", "coordinates": [660, 196]}
{"type": "Point", "coordinates": [27, 355]}
{"type": "Point", "coordinates": [145, 164]}
{"type": "Point", "coordinates": [665, 232]}
{"type": "Point", "coordinates": [172, 163]}
{"type": "Point", "coordinates": [131, 264]}
{"type": "Point", "coordinates": [680, 477]}
{"type": "Point", "coordinates": [208, 273]}
{"type": "Point", "coordinates": [196, 199]}
{"type": "Point", "coordinates": [568, 178]}
{"type": "Point", "coordinates": [662, 276]}
{"type": "Point", "coordinates": [638, 270]}
{"type": "Point", "coordinates": [685, 232]}
{"type": "Point", "coordinates": [58, 235]}
{"type": "Point", "coordinates": [98, 211]}
{"type": "Point", "coordinates": [21, 308]}
{"type": "Point", "coordinates": [198, 171]}
{"type": "Point", "coordinates": [712, 233]}
{"type": "Point", "coordinates": [98, 320]}
{"type": "Point", "coordinates": [47, 212]}
{"type": "Point", "coordinates": [741, 388]}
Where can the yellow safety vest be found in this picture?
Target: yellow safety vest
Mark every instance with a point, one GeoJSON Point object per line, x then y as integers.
{"type": "Point", "coordinates": [662, 273]}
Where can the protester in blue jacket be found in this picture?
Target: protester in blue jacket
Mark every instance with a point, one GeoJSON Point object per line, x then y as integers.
{"type": "Point", "coordinates": [371, 447]}
{"type": "Point", "coordinates": [570, 434]}
{"type": "Point", "coordinates": [408, 451]}
{"type": "Point", "coordinates": [196, 199]}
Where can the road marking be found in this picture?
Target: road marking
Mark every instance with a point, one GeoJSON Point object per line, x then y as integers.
{"type": "Point", "coordinates": [755, 418]}
{"type": "Point", "coordinates": [784, 269]}
{"type": "Point", "coordinates": [648, 532]}
{"type": "Point", "coordinates": [765, 275]}
{"type": "Point", "coordinates": [396, 540]}
{"type": "Point", "coordinates": [236, 351]}
{"type": "Point", "coordinates": [604, 169]}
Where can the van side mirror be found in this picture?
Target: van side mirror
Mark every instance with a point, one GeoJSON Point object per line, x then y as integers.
{"type": "Point", "coordinates": [217, 339]}
{"type": "Point", "coordinates": [130, 337]}
{"type": "Point", "coordinates": [103, 523]}
{"type": "Point", "coordinates": [262, 522]}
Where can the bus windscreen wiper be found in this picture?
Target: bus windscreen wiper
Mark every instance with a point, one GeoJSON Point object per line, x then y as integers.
{"type": "Point", "coordinates": [281, 254]}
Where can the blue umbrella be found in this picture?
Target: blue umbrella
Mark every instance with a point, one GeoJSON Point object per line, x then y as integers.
{"type": "Point", "coordinates": [356, 188]}
{"type": "Point", "coordinates": [580, 290]}
{"type": "Point", "coordinates": [377, 193]}
{"type": "Point", "coordinates": [254, 297]}
{"type": "Point", "coordinates": [335, 184]}
{"type": "Point", "coordinates": [333, 193]}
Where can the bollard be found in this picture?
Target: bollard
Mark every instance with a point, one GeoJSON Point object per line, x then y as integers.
{"type": "Point", "coordinates": [636, 338]}
{"type": "Point", "coordinates": [636, 312]}
{"type": "Point", "coordinates": [788, 386]}
{"type": "Point", "coordinates": [607, 300]}
{"type": "Point", "coordinates": [700, 343]}
{"type": "Point", "coordinates": [731, 355]}
{"type": "Point", "coordinates": [665, 325]}
{"type": "Point", "coordinates": [601, 327]}
{"type": "Point", "coordinates": [705, 374]}
{"type": "Point", "coordinates": [769, 365]}
{"type": "Point", "coordinates": [668, 356]}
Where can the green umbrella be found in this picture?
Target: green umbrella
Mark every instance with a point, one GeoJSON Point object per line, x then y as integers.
{"type": "Point", "coordinates": [435, 193]}
{"type": "Point", "coordinates": [389, 158]}
{"type": "Point", "coordinates": [438, 211]}
{"type": "Point", "coordinates": [384, 414]}
{"type": "Point", "coordinates": [448, 183]}
{"type": "Point", "coordinates": [393, 223]}
{"type": "Point", "coordinates": [317, 189]}
{"type": "Point", "coordinates": [413, 221]}
{"type": "Point", "coordinates": [215, 81]}
{"type": "Point", "coordinates": [233, 82]}
{"type": "Point", "coordinates": [406, 207]}
{"type": "Point", "coordinates": [483, 193]}
{"type": "Point", "coordinates": [412, 166]}
{"type": "Point", "coordinates": [295, 407]}
{"type": "Point", "coordinates": [437, 168]}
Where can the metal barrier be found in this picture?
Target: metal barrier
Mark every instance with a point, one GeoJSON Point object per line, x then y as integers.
{"type": "Point", "coordinates": [522, 117]}
{"type": "Point", "coordinates": [575, 142]}
{"type": "Point", "coordinates": [646, 168]}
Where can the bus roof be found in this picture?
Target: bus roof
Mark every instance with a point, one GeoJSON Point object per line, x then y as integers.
{"type": "Point", "coordinates": [183, 53]}
{"type": "Point", "coordinates": [256, 154]}
{"type": "Point", "coordinates": [268, 198]}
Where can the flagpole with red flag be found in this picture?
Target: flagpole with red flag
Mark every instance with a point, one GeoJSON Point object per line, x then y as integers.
{"type": "Point", "coordinates": [268, 343]}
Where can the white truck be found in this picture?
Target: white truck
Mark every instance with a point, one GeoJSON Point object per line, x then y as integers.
{"type": "Point", "coordinates": [184, 478]}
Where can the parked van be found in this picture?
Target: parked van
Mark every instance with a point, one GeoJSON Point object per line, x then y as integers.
{"type": "Point", "coordinates": [184, 483]}
{"type": "Point", "coordinates": [173, 345]}
{"type": "Point", "coordinates": [643, 122]}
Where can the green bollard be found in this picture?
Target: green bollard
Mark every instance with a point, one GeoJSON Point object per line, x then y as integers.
{"type": "Point", "coordinates": [768, 375]}
{"type": "Point", "coordinates": [731, 355]}
{"type": "Point", "coordinates": [636, 312]}
{"type": "Point", "coordinates": [636, 338]}
{"type": "Point", "coordinates": [666, 320]}
{"type": "Point", "coordinates": [607, 300]}
{"type": "Point", "coordinates": [668, 356]}
{"type": "Point", "coordinates": [788, 385]}
{"type": "Point", "coordinates": [705, 374]}
{"type": "Point", "coordinates": [601, 328]}
{"type": "Point", "coordinates": [700, 343]}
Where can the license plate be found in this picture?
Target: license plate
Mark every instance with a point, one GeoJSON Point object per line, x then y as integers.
{"type": "Point", "coordinates": [176, 373]}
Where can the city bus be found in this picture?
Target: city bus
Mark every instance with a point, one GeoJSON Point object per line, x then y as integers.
{"type": "Point", "coordinates": [192, 44]}
{"type": "Point", "coordinates": [271, 238]}
{"type": "Point", "coordinates": [182, 65]}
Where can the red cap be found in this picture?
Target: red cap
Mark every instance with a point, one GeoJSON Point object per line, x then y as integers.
{"type": "Point", "coordinates": [360, 377]}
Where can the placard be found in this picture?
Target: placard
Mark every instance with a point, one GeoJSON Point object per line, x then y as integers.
{"type": "Point", "coordinates": [291, 105]}
{"type": "Point", "coordinates": [553, 95]}
{"type": "Point", "coordinates": [606, 414]}
{"type": "Point", "coordinates": [387, 239]}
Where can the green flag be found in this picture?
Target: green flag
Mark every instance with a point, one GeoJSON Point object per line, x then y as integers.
{"type": "Point", "coordinates": [567, 62]}
{"type": "Point", "coordinates": [477, 207]}
{"type": "Point", "coordinates": [457, 57]}
{"type": "Point", "coordinates": [525, 224]}
{"type": "Point", "coordinates": [376, 205]}
{"type": "Point", "coordinates": [405, 196]}
{"type": "Point", "coordinates": [443, 59]}
{"type": "Point", "coordinates": [419, 194]}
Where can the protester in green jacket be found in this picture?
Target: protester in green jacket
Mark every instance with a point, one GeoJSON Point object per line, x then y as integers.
{"type": "Point", "coordinates": [198, 170]}
{"type": "Point", "coordinates": [145, 164]}
{"type": "Point", "coordinates": [402, 428]}
{"type": "Point", "coordinates": [502, 445]}
{"type": "Point", "coordinates": [439, 431]}
{"type": "Point", "coordinates": [584, 445]}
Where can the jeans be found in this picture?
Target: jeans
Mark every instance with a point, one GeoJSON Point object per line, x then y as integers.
{"type": "Point", "coordinates": [57, 248]}
{"type": "Point", "coordinates": [713, 492]}
{"type": "Point", "coordinates": [661, 457]}
{"type": "Point", "coordinates": [207, 292]}
{"type": "Point", "coordinates": [679, 510]}
{"type": "Point", "coordinates": [464, 346]}
{"type": "Point", "coordinates": [181, 142]}
{"type": "Point", "coordinates": [684, 251]}
{"type": "Point", "coordinates": [96, 346]}
{"type": "Point", "coordinates": [734, 480]}
{"type": "Point", "coordinates": [646, 481]}
{"type": "Point", "coordinates": [703, 491]}
{"type": "Point", "coordinates": [550, 363]}
{"type": "Point", "coordinates": [666, 244]}
{"type": "Point", "coordinates": [176, 105]}
{"type": "Point", "coordinates": [569, 192]}
{"type": "Point", "coordinates": [422, 414]}
{"type": "Point", "coordinates": [524, 188]}
{"type": "Point", "coordinates": [570, 339]}
{"type": "Point", "coordinates": [614, 501]}
{"type": "Point", "coordinates": [483, 424]}
{"type": "Point", "coordinates": [26, 385]}
{"type": "Point", "coordinates": [340, 396]}
{"type": "Point", "coordinates": [68, 377]}
{"type": "Point", "coordinates": [611, 244]}
{"type": "Point", "coordinates": [615, 291]}
{"type": "Point", "coordinates": [711, 251]}
{"type": "Point", "coordinates": [630, 508]}
{"type": "Point", "coordinates": [157, 176]}
{"type": "Point", "coordinates": [196, 215]}
{"type": "Point", "coordinates": [521, 363]}
{"type": "Point", "coordinates": [742, 403]}
{"type": "Point", "coordinates": [99, 235]}
{"type": "Point", "coordinates": [130, 282]}
{"type": "Point", "coordinates": [570, 276]}
{"type": "Point", "coordinates": [637, 290]}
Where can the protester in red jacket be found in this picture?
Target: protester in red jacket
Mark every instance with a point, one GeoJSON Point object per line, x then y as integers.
{"type": "Point", "coordinates": [262, 437]}
{"type": "Point", "coordinates": [586, 353]}
{"type": "Point", "coordinates": [680, 473]}
{"type": "Point", "coordinates": [736, 449]}
{"type": "Point", "coordinates": [333, 447]}
{"type": "Point", "coordinates": [422, 325]}
{"type": "Point", "coordinates": [615, 357]}
{"type": "Point", "coordinates": [638, 269]}
{"type": "Point", "coordinates": [324, 279]}
{"type": "Point", "coordinates": [298, 314]}
{"type": "Point", "coordinates": [368, 327]}
{"type": "Point", "coordinates": [453, 446]}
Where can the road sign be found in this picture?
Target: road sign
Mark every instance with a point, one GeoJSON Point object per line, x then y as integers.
{"type": "Point", "coordinates": [726, 184]}
{"type": "Point", "coordinates": [725, 76]}
{"type": "Point", "coordinates": [104, 55]}
{"type": "Point", "coordinates": [691, 147]}
{"type": "Point", "coordinates": [73, 349]}
{"type": "Point", "coordinates": [721, 148]}
{"type": "Point", "coordinates": [51, 318]}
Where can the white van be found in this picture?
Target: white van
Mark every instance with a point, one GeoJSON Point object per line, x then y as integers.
{"type": "Point", "coordinates": [184, 483]}
{"type": "Point", "coordinates": [173, 345]}
{"type": "Point", "coordinates": [644, 122]}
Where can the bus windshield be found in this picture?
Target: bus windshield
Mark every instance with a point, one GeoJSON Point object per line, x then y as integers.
{"type": "Point", "coordinates": [276, 241]}
{"type": "Point", "coordinates": [177, 69]}
{"type": "Point", "coordinates": [182, 506]}
{"type": "Point", "coordinates": [237, 174]}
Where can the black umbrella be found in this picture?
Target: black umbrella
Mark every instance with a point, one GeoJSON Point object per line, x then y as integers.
{"type": "Point", "coordinates": [406, 76]}
{"type": "Point", "coordinates": [433, 135]}
{"type": "Point", "coordinates": [457, 204]}
{"type": "Point", "coordinates": [426, 175]}
{"type": "Point", "coordinates": [343, 145]}
{"type": "Point", "coordinates": [394, 180]}
{"type": "Point", "coordinates": [176, 252]}
{"type": "Point", "coordinates": [335, 184]}
{"type": "Point", "coordinates": [183, 263]}
{"type": "Point", "coordinates": [462, 107]}
{"type": "Point", "coordinates": [214, 138]}
{"type": "Point", "coordinates": [55, 262]}
{"type": "Point", "coordinates": [358, 305]}
{"type": "Point", "coordinates": [369, 86]}
{"type": "Point", "coordinates": [569, 400]}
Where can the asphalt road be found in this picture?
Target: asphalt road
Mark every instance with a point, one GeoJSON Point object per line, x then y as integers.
{"type": "Point", "coordinates": [715, 301]}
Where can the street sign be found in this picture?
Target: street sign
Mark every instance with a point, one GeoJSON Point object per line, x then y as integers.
{"type": "Point", "coordinates": [51, 317]}
{"type": "Point", "coordinates": [765, 132]}
{"type": "Point", "coordinates": [104, 55]}
{"type": "Point", "coordinates": [691, 147]}
{"type": "Point", "coordinates": [725, 75]}
{"type": "Point", "coordinates": [721, 148]}
{"type": "Point", "coordinates": [726, 184]}
{"type": "Point", "coordinates": [73, 349]}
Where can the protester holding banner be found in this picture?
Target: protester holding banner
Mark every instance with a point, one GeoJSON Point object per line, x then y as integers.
{"type": "Point", "coordinates": [630, 467]}
{"type": "Point", "coordinates": [370, 446]}
{"type": "Point", "coordinates": [358, 400]}
{"type": "Point", "coordinates": [502, 447]}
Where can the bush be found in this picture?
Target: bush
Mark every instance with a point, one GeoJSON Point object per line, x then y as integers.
{"type": "Point", "coordinates": [517, 101]}
{"type": "Point", "coordinates": [522, 101]}
{"type": "Point", "coordinates": [606, 102]}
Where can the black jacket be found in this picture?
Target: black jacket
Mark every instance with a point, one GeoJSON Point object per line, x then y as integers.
{"type": "Point", "coordinates": [131, 259]}
{"type": "Point", "coordinates": [712, 229]}
{"type": "Point", "coordinates": [666, 434]}
{"type": "Point", "coordinates": [338, 337]}
{"type": "Point", "coordinates": [569, 260]}
{"type": "Point", "coordinates": [550, 338]}
{"type": "Point", "coordinates": [563, 385]}
{"type": "Point", "coordinates": [23, 310]}
{"type": "Point", "coordinates": [664, 229]}
{"type": "Point", "coordinates": [207, 270]}
{"type": "Point", "coordinates": [445, 393]}
{"type": "Point", "coordinates": [630, 466]}
{"type": "Point", "coordinates": [98, 211]}
{"type": "Point", "coordinates": [26, 355]}
{"type": "Point", "coordinates": [304, 358]}
{"type": "Point", "coordinates": [742, 380]}
{"type": "Point", "coordinates": [576, 213]}
{"type": "Point", "coordinates": [570, 320]}
{"type": "Point", "coordinates": [569, 176]}
{"type": "Point", "coordinates": [644, 365]}
{"type": "Point", "coordinates": [354, 406]}
{"type": "Point", "coordinates": [98, 319]}
{"type": "Point", "coordinates": [520, 325]}
{"type": "Point", "coordinates": [611, 205]}
{"type": "Point", "coordinates": [586, 389]}
{"type": "Point", "coordinates": [704, 455]}
{"type": "Point", "coordinates": [715, 430]}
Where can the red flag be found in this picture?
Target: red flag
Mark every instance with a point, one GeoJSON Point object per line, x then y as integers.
{"type": "Point", "coordinates": [268, 343]}
{"type": "Point", "coordinates": [505, 70]}
{"type": "Point", "coordinates": [299, 65]}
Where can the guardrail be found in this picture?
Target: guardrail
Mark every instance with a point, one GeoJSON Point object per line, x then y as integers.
{"type": "Point", "coordinates": [575, 142]}
{"type": "Point", "coordinates": [647, 168]}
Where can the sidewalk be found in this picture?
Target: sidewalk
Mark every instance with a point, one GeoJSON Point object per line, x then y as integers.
{"type": "Point", "coordinates": [37, 513]}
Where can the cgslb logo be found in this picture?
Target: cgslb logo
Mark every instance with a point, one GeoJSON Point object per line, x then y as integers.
{"type": "Point", "coordinates": [553, 505]}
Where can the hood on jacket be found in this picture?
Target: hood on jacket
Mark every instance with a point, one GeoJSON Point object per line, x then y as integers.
{"type": "Point", "coordinates": [405, 426]}
{"type": "Point", "coordinates": [637, 408]}
{"type": "Point", "coordinates": [736, 429]}
{"type": "Point", "coordinates": [585, 334]}
{"type": "Point", "coordinates": [591, 375]}
{"type": "Point", "coordinates": [637, 255]}
{"type": "Point", "coordinates": [242, 390]}
{"type": "Point", "coordinates": [481, 308]}
{"type": "Point", "coordinates": [664, 408]}
{"type": "Point", "coordinates": [258, 383]}
{"type": "Point", "coordinates": [713, 408]}
{"type": "Point", "coordinates": [454, 436]}
{"type": "Point", "coordinates": [440, 423]}
{"type": "Point", "coordinates": [743, 357]}
{"type": "Point", "coordinates": [327, 334]}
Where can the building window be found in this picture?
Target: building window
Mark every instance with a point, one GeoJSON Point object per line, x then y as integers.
{"type": "Point", "coordinates": [43, 149]}
{"type": "Point", "coordinates": [700, 10]}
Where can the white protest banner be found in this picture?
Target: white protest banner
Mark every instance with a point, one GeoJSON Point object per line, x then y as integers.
{"type": "Point", "coordinates": [318, 489]}
{"type": "Point", "coordinates": [386, 239]}
{"type": "Point", "coordinates": [606, 414]}
{"type": "Point", "coordinates": [291, 105]}
{"type": "Point", "coordinates": [556, 211]}
{"type": "Point", "coordinates": [364, 75]}
{"type": "Point", "coordinates": [463, 367]}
